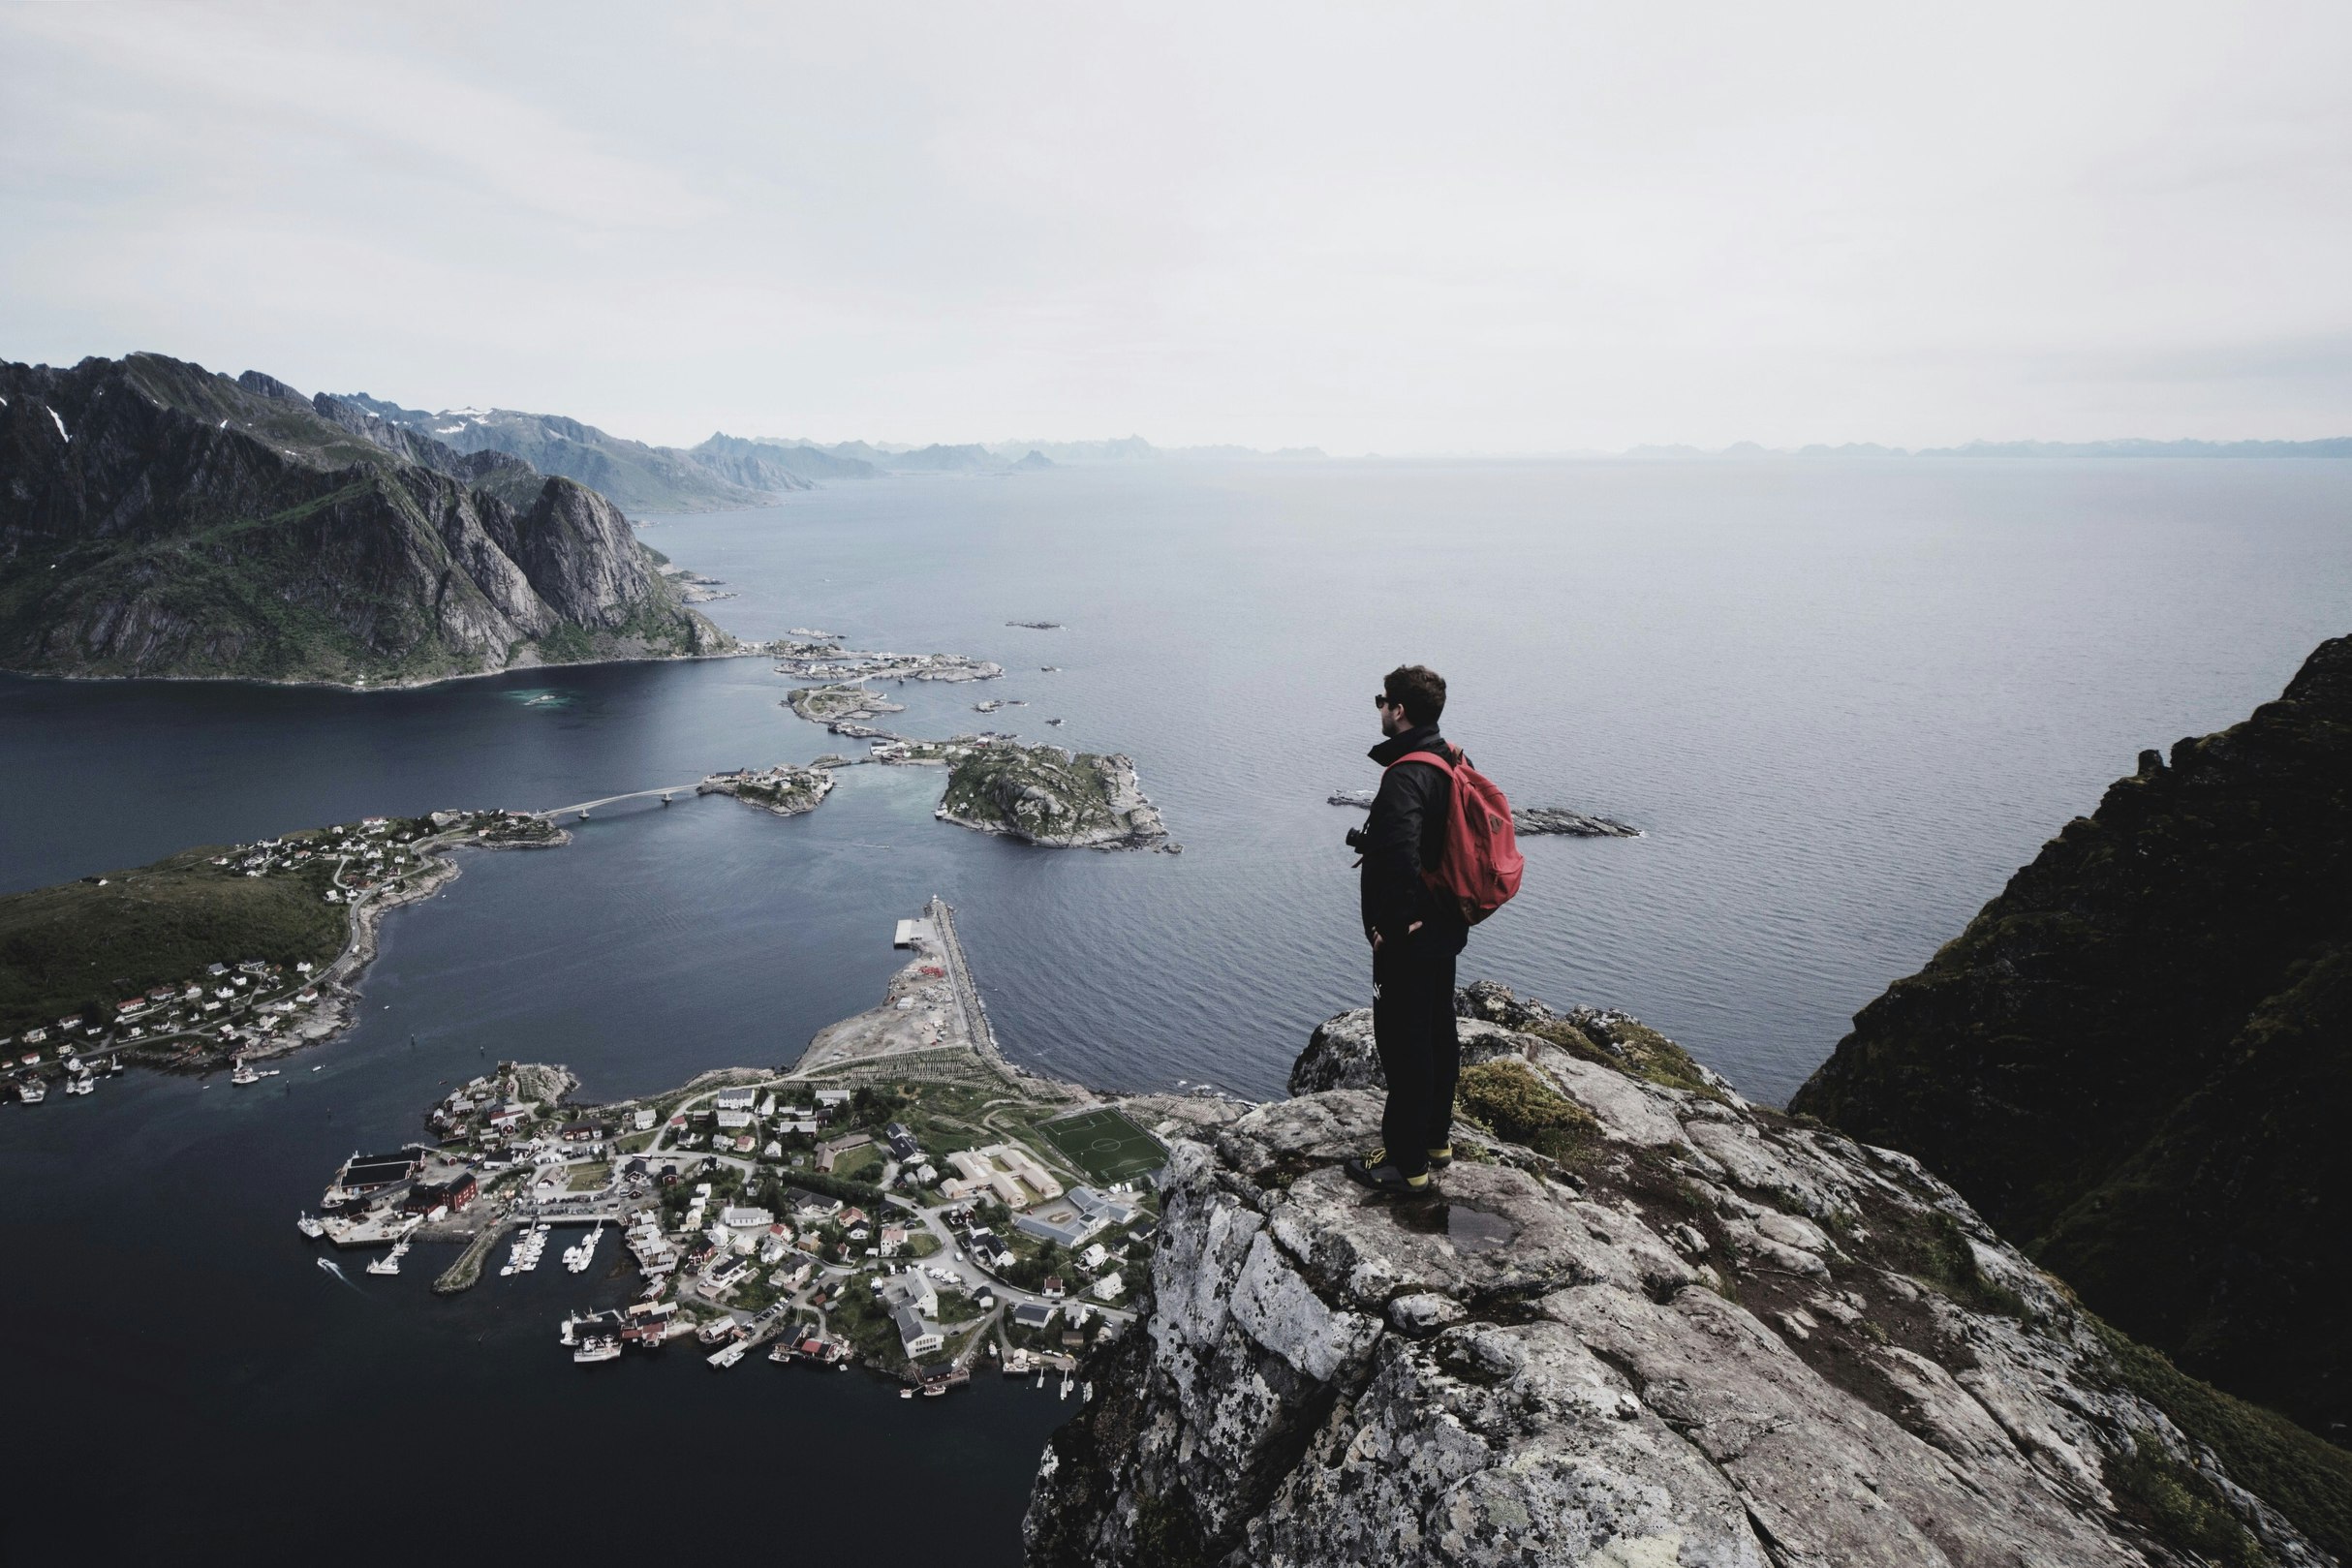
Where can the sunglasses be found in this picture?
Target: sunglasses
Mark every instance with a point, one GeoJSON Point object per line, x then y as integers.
{"type": "Point", "coordinates": [1380, 699]}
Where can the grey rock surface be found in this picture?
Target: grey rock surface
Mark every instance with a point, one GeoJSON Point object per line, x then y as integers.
{"type": "Point", "coordinates": [1711, 1335]}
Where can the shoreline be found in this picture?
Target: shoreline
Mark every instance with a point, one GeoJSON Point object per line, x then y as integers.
{"type": "Point", "coordinates": [747, 650]}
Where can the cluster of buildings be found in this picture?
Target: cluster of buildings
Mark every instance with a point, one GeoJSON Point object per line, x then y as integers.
{"type": "Point", "coordinates": [1085, 1213]}
{"type": "Point", "coordinates": [746, 1122]}
{"type": "Point", "coordinates": [374, 1198]}
{"type": "Point", "coordinates": [1006, 1172]}
{"type": "Point", "coordinates": [234, 1005]}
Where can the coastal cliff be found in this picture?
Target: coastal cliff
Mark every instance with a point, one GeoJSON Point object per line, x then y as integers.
{"type": "Point", "coordinates": [2138, 1058]}
{"type": "Point", "coordinates": [159, 519]}
{"type": "Point", "coordinates": [1643, 1322]}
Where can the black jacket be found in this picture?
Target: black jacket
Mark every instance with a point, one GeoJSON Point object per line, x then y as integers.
{"type": "Point", "coordinates": [1407, 832]}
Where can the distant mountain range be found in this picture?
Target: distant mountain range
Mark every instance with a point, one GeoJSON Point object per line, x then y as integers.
{"type": "Point", "coordinates": [1001, 456]}
{"type": "Point", "coordinates": [2332, 446]}
{"type": "Point", "coordinates": [714, 477]}
{"type": "Point", "coordinates": [157, 518]}
{"type": "Point", "coordinates": [728, 471]}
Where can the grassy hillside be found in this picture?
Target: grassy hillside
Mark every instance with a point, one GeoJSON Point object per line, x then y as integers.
{"type": "Point", "coordinates": [80, 947]}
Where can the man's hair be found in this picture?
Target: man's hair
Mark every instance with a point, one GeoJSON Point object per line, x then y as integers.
{"type": "Point", "coordinates": [1420, 689]}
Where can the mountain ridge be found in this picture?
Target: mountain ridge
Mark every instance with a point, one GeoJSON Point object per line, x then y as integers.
{"type": "Point", "coordinates": [157, 518]}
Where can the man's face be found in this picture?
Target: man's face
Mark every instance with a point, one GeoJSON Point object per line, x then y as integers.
{"type": "Point", "coordinates": [1392, 717]}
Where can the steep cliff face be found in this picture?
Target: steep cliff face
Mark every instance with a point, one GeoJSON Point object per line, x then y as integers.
{"type": "Point", "coordinates": [1643, 1323]}
{"type": "Point", "coordinates": [158, 519]}
{"type": "Point", "coordinates": [2138, 1058]}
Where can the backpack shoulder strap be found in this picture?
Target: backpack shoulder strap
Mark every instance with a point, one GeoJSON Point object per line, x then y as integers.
{"type": "Point", "coordinates": [1449, 763]}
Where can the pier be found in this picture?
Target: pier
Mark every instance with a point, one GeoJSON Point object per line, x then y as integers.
{"type": "Point", "coordinates": [976, 1028]}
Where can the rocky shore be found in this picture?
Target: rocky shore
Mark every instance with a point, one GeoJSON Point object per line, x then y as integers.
{"type": "Point", "coordinates": [1644, 1321]}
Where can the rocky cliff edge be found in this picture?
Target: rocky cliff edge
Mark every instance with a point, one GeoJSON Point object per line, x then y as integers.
{"type": "Point", "coordinates": [1645, 1323]}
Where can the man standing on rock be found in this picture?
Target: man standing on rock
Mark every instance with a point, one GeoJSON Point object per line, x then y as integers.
{"type": "Point", "coordinates": [1416, 938]}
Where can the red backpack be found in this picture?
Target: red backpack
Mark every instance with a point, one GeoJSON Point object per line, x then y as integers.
{"type": "Point", "coordinates": [1480, 868]}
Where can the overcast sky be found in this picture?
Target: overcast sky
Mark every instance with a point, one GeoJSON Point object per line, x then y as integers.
{"type": "Point", "coordinates": [1426, 228]}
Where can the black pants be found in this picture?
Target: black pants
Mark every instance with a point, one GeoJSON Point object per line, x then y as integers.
{"type": "Point", "coordinates": [1412, 1025]}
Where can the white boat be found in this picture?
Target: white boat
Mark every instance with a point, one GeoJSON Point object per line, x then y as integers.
{"type": "Point", "coordinates": [577, 1258]}
{"type": "Point", "coordinates": [244, 1075]}
{"type": "Point", "coordinates": [78, 1085]}
{"type": "Point", "coordinates": [32, 1092]}
{"type": "Point", "coordinates": [389, 1263]}
{"type": "Point", "coordinates": [309, 1227]}
{"type": "Point", "coordinates": [598, 1349]}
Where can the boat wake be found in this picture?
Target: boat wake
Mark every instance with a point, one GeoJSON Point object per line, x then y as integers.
{"type": "Point", "coordinates": [329, 1264]}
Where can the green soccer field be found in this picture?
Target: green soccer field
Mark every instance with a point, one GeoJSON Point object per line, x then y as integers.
{"type": "Point", "coordinates": [1106, 1145]}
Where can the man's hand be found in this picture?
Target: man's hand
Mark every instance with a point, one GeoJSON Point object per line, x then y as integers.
{"type": "Point", "coordinates": [1376, 934]}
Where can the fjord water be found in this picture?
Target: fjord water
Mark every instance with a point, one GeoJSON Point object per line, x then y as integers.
{"type": "Point", "coordinates": [1843, 701]}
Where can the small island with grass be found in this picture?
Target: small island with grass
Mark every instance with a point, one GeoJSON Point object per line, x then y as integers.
{"type": "Point", "coordinates": [1046, 795]}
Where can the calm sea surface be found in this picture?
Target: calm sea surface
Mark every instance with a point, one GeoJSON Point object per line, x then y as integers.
{"type": "Point", "coordinates": [1844, 701]}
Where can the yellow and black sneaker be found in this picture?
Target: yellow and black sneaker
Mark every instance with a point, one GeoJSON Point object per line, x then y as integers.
{"type": "Point", "coordinates": [1440, 1158]}
{"type": "Point", "coordinates": [1381, 1174]}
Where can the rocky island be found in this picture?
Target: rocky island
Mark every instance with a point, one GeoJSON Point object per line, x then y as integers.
{"type": "Point", "coordinates": [1045, 795]}
{"type": "Point", "coordinates": [1527, 821]}
{"type": "Point", "coordinates": [784, 789]}
{"type": "Point", "coordinates": [159, 519]}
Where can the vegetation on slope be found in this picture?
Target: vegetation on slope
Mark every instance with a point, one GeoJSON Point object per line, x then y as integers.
{"type": "Point", "coordinates": [2138, 1058]}
{"type": "Point", "coordinates": [78, 948]}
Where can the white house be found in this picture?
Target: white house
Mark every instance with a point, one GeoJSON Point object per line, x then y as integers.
{"type": "Point", "coordinates": [1109, 1288]}
{"type": "Point", "coordinates": [917, 1336]}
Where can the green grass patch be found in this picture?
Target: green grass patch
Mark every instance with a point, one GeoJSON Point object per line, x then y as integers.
{"type": "Point", "coordinates": [1106, 1145]}
{"type": "Point", "coordinates": [2297, 1472]}
{"type": "Point", "coordinates": [1506, 1098]}
{"type": "Point", "coordinates": [2180, 1506]}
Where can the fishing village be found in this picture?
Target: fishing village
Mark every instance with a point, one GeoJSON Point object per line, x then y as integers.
{"type": "Point", "coordinates": [901, 1198]}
